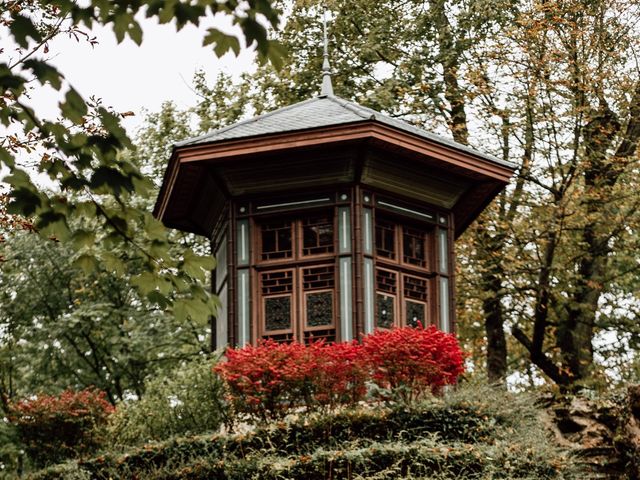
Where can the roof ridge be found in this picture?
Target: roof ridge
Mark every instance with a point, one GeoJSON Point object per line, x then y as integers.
{"type": "Point", "coordinates": [371, 114]}
{"type": "Point", "coordinates": [353, 107]}
{"type": "Point", "coordinates": [243, 122]}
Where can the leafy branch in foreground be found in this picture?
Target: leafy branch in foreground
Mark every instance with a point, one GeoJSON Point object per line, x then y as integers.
{"type": "Point", "coordinates": [94, 200]}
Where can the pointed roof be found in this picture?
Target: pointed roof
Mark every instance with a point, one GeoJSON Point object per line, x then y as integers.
{"type": "Point", "coordinates": [323, 111]}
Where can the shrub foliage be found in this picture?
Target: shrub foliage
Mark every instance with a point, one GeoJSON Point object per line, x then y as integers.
{"type": "Point", "coordinates": [265, 381]}
{"type": "Point", "coordinates": [56, 427]}
{"type": "Point", "coordinates": [188, 400]}
{"type": "Point", "coordinates": [413, 361]}
{"type": "Point", "coordinates": [471, 433]}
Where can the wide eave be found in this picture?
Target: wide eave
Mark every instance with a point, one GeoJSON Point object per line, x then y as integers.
{"type": "Point", "coordinates": [192, 181]}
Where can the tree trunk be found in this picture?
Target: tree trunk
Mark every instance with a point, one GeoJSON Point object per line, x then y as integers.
{"type": "Point", "coordinates": [494, 327]}
{"type": "Point", "coordinates": [450, 60]}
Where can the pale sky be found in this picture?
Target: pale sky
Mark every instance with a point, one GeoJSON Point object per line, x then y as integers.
{"type": "Point", "coordinates": [132, 78]}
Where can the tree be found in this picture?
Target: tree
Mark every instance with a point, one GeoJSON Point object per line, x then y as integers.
{"type": "Point", "coordinates": [82, 154]}
{"type": "Point", "coordinates": [64, 327]}
{"type": "Point", "coordinates": [549, 85]}
{"type": "Point", "coordinates": [89, 327]}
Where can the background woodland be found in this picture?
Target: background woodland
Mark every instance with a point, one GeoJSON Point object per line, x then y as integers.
{"type": "Point", "coordinates": [95, 292]}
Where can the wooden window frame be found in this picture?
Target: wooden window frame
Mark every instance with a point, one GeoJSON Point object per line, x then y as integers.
{"type": "Point", "coordinates": [297, 262]}
{"type": "Point", "coordinates": [402, 269]}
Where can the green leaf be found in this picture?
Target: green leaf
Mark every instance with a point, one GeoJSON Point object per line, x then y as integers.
{"type": "Point", "coordinates": [78, 140]}
{"type": "Point", "coordinates": [180, 310]}
{"type": "Point", "coordinates": [186, 308]}
{"type": "Point", "coordinates": [196, 265]}
{"type": "Point", "coordinates": [121, 25]}
{"type": "Point", "coordinates": [24, 201]}
{"type": "Point", "coordinates": [9, 81]}
{"type": "Point", "coordinates": [111, 179]}
{"type": "Point", "coordinates": [112, 263]}
{"type": "Point", "coordinates": [19, 178]}
{"type": "Point", "coordinates": [166, 14]}
{"type": "Point", "coordinates": [51, 223]}
{"type": "Point", "coordinates": [135, 32]}
{"type": "Point", "coordinates": [87, 263]}
{"type": "Point", "coordinates": [160, 249]}
{"type": "Point", "coordinates": [74, 107]}
{"type": "Point", "coordinates": [22, 28]}
{"type": "Point", "coordinates": [44, 72]}
{"type": "Point", "coordinates": [6, 158]}
{"type": "Point", "coordinates": [157, 298]}
{"type": "Point", "coordinates": [255, 32]}
{"type": "Point", "coordinates": [277, 54]}
{"type": "Point", "coordinates": [112, 124]}
{"type": "Point", "coordinates": [25, 197]}
{"type": "Point", "coordinates": [145, 282]}
{"type": "Point", "coordinates": [155, 229]}
{"type": "Point", "coordinates": [83, 239]}
{"type": "Point", "coordinates": [222, 42]}
{"type": "Point", "coordinates": [185, 13]}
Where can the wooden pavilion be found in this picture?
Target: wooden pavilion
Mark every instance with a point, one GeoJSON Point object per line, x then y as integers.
{"type": "Point", "coordinates": [328, 219]}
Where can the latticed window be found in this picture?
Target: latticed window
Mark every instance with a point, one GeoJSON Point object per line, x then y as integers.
{"type": "Point", "coordinates": [386, 282]}
{"type": "Point", "coordinates": [317, 235]}
{"type": "Point", "coordinates": [385, 239]}
{"type": "Point", "coordinates": [277, 240]}
{"type": "Point", "coordinates": [297, 278]}
{"type": "Point", "coordinates": [277, 292]}
{"type": "Point", "coordinates": [415, 300]}
{"type": "Point", "coordinates": [403, 273]}
{"type": "Point", "coordinates": [413, 247]}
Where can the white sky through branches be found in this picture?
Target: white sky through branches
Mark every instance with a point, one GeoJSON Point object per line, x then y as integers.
{"type": "Point", "coordinates": [128, 77]}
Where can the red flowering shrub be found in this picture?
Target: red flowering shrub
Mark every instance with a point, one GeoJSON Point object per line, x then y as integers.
{"type": "Point", "coordinates": [53, 428]}
{"type": "Point", "coordinates": [340, 375]}
{"type": "Point", "coordinates": [267, 380]}
{"type": "Point", "coordinates": [412, 361]}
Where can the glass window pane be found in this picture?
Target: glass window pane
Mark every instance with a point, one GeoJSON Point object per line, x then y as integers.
{"type": "Point", "coordinates": [415, 288]}
{"type": "Point", "coordinates": [276, 240]}
{"type": "Point", "coordinates": [445, 320]}
{"type": "Point", "coordinates": [277, 282]}
{"type": "Point", "coordinates": [443, 251]}
{"type": "Point", "coordinates": [415, 313]}
{"type": "Point", "coordinates": [221, 263]}
{"type": "Point", "coordinates": [317, 235]}
{"type": "Point", "coordinates": [413, 251]}
{"type": "Point", "coordinates": [385, 311]}
{"type": "Point", "coordinates": [385, 239]}
{"type": "Point", "coordinates": [386, 281]}
{"type": "Point", "coordinates": [315, 278]}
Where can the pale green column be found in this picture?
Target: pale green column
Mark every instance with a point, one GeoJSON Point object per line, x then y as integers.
{"type": "Point", "coordinates": [443, 267]}
{"type": "Point", "coordinates": [243, 294]}
{"type": "Point", "coordinates": [222, 333]}
{"type": "Point", "coordinates": [368, 277]}
{"type": "Point", "coordinates": [346, 286]}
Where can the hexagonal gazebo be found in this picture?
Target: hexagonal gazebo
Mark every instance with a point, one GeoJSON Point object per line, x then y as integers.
{"type": "Point", "coordinates": [328, 219]}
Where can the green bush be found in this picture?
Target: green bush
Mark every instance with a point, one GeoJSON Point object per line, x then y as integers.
{"type": "Point", "coordinates": [473, 433]}
{"type": "Point", "coordinates": [187, 401]}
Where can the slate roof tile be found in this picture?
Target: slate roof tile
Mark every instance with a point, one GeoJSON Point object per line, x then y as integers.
{"type": "Point", "coordinates": [322, 111]}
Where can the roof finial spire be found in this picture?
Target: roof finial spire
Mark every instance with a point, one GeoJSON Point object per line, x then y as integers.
{"type": "Point", "coordinates": [327, 87]}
